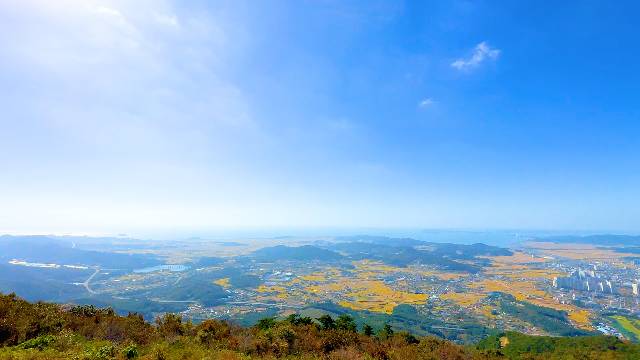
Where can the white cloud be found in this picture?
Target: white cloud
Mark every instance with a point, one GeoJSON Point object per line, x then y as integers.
{"type": "Point", "coordinates": [108, 11]}
{"type": "Point", "coordinates": [168, 20]}
{"type": "Point", "coordinates": [135, 90]}
{"type": "Point", "coordinates": [481, 53]}
{"type": "Point", "coordinates": [102, 63]}
{"type": "Point", "coordinates": [425, 103]}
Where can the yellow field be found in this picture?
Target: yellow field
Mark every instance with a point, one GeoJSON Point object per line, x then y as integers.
{"type": "Point", "coordinates": [375, 266]}
{"type": "Point", "coordinates": [486, 311]}
{"type": "Point", "coordinates": [587, 254]}
{"type": "Point", "coordinates": [361, 288]}
{"type": "Point", "coordinates": [377, 296]}
{"type": "Point", "coordinates": [577, 251]}
{"type": "Point", "coordinates": [580, 318]}
{"type": "Point", "coordinates": [516, 275]}
{"type": "Point", "coordinates": [526, 291]}
{"type": "Point", "coordinates": [533, 274]}
{"type": "Point", "coordinates": [463, 299]}
{"type": "Point", "coordinates": [362, 293]}
{"type": "Point", "coordinates": [314, 277]}
{"type": "Point", "coordinates": [271, 289]}
{"type": "Point", "coordinates": [224, 282]}
{"type": "Point", "coordinates": [630, 326]}
{"type": "Point", "coordinates": [442, 275]}
{"type": "Point", "coordinates": [364, 288]}
{"type": "Point", "coordinates": [517, 257]}
{"type": "Point", "coordinates": [520, 291]}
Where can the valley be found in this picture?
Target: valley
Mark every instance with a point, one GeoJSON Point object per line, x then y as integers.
{"type": "Point", "coordinates": [461, 292]}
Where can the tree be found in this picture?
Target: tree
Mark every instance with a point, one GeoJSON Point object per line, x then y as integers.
{"type": "Point", "coordinates": [305, 320]}
{"type": "Point", "coordinates": [386, 332]}
{"type": "Point", "coordinates": [345, 322]}
{"type": "Point", "coordinates": [266, 323]}
{"type": "Point", "coordinates": [293, 318]}
{"type": "Point", "coordinates": [170, 325]}
{"type": "Point", "coordinates": [387, 328]}
{"type": "Point", "coordinates": [409, 338]}
{"type": "Point", "coordinates": [327, 322]}
{"type": "Point", "coordinates": [296, 319]}
{"type": "Point", "coordinates": [210, 330]}
{"type": "Point", "coordinates": [367, 330]}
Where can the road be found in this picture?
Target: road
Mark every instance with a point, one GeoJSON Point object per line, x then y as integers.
{"type": "Point", "coordinates": [86, 282]}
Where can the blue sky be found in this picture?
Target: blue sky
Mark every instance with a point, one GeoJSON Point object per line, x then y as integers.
{"type": "Point", "coordinates": [125, 115]}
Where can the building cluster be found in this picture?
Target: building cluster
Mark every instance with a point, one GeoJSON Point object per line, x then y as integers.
{"type": "Point", "coordinates": [585, 280]}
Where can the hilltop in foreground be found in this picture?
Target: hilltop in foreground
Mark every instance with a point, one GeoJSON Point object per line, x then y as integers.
{"type": "Point", "coordinates": [50, 331]}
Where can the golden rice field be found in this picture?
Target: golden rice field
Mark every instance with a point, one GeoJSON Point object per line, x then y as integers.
{"type": "Point", "coordinates": [517, 257]}
{"type": "Point", "coordinates": [516, 275]}
{"type": "Point", "coordinates": [361, 288]}
{"type": "Point", "coordinates": [465, 299]}
{"type": "Point", "coordinates": [486, 311]}
{"type": "Point", "coordinates": [581, 318]}
{"type": "Point", "coordinates": [224, 282]}
{"type": "Point", "coordinates": [577, 251]}
{"type": "Point", "coordinates": [375, 295]}
{"type": "Point", "coordinates": [270, 289]}
{"type": "Point", "coordinates": [376, 266]}
{"type": "Point", "coordinates": [526, 291]}
{"type": "Point", "coordinates": [534, 274]}
{"type": "Point", "coordinates": [313, 277]}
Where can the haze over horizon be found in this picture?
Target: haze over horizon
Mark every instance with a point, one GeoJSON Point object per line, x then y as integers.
{"type": "Point", "coordinates": [165, 115]}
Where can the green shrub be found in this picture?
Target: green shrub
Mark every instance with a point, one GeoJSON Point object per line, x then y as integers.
{"type": "Point", "coordinates": [40, 343]}
{"type": "Point", "coordinates": [130, 352]}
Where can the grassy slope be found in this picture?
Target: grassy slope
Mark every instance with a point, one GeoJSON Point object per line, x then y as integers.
{"type": "Point", "coordinates": [628, 326]}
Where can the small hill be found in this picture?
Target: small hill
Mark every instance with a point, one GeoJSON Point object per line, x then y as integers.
{"type": "Point", "coordinates": [403, 256]}
{"type": "Point", "coordinates": [381, 240]}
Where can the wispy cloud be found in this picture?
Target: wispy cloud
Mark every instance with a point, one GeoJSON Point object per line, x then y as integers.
{"type": "Point", "coordinates": [481, 53]}
{"type": "Point", "coordinates": [108, 11]}
{"type": "Point", "coordinates": [155, 66]}
{"type": "Point", "coordinates": [149, 78]}
{"type": "Point", "coordinates": [425, 103]}
{"type": "Point", "coordinates": [169, 20]}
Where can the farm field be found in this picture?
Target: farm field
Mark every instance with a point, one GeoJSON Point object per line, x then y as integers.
{"type": "Point", "coordinates": [628, 326]}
